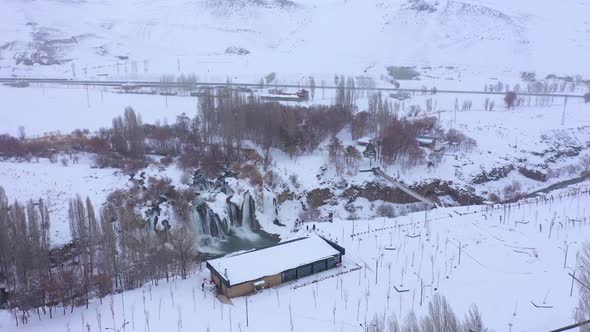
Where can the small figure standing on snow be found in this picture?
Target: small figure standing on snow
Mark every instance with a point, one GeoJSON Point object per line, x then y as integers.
{"type": "Point", "coordinates": [307, 228]}
{"type": "Point", "coordinates": [203, 286]}
{"type": "Point", "coordinates": [313, 228]}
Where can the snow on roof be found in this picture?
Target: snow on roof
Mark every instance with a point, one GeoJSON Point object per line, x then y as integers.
{"type": "Point", "coordinates": [255, 264]}
{"type": "Point", "coordinates": [425, 140]}
{"type": "Point", "coordinates": [365, 139]}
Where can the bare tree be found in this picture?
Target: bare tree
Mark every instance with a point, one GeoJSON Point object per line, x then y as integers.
{"type": "Point", "coordinates": [352, 157]}
{"type": "Point", "coordinates": [312, 86]}
{"type": "Point", "coordinates": [128, 137]}
{"type": "Point", "coordinates": [583, 312]}
{"type": "Point", "coordinates": [473, 321]}
{"type": "Point", "coordinates": [510, 99]}
{"type": "Point", "coordinates": [21, 133]}
{"type": "Point", "coordinates": [440, 318]}
{"type": "Point", "coordinates": [335, 152]}
{"type": "Point", "coordinates": [183, 242]}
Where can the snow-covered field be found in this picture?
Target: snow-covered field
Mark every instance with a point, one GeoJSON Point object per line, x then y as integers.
{"type": "Point", "coordinates": [51, 109]}
{"type": "Point", "coordinates": [511, 261]}
{"type": "Point", "coordinates": [503, 137]}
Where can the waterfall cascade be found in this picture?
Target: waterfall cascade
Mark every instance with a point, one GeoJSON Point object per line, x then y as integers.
{"type": "Point", "coordinates": [218, 224]}
{"type": "Point", "coordinates": [249, 213]}
{"type": "Point", "coordinates": [210, 223]}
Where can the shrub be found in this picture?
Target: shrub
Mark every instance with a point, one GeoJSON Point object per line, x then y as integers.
{"type": "Point", "coordinates": [117, 197]}
{"type": "Point", "coordinates": [115, 160]}
{"type": "Point", "coordinates": [189, 158]}
{"type": "Point", "coordinates": [167, 161]}
{"type": "Point", "coordinates": [386, 210]}
{"type": "Point", "coordinates": [352, 216]}
{"type": "Point", "coordinates": [510, 99]}
{"type": "Point", "coordinates": [98, 145]}
{"type": "Point", "coordinates": [250, 172]}
{"type": "Point", "coordinates": [585, 165]}
{"type": "Point", "coordinates": [212, 162]}
{"type": "Point", "coordinates": [402, 73]}
{"type": "Point", "coordinates": [182, 204]}
{"type": "Point", "coordinates": [495, 198]}
{"type": "Point", "coordinates": [271, 178]}
{"type": "Point", "coordinates": [157, 187]}
{"type": "Point", "coordinates": [309, 215]}
{"type": "Point", "coordinates": [457, 138]}
{"type": "Point", "coordinates": [414, 110]}
{"type": "Point", "coordinates": [295, 181]}
{"type": "Point", "coordinates": [185, 178]}
{"type": "Point", "coordinates": [10, 146]}
{"type": "Point", "coordinates": [512, 191]}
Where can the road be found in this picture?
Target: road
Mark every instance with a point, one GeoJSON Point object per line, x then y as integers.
{"type": "Point", "coordinates": [157, 84]}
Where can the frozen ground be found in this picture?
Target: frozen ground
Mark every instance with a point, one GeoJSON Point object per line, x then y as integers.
{"type": "Point", "coordinates": [510, 261]}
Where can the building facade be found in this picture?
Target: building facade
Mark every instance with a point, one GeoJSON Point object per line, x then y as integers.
{"type": "Point", "coordinates": [251, 271]}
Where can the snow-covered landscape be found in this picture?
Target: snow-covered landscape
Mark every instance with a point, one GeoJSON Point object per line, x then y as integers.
{"type": "Point", "coordinates": [513, 271]}
{"type": "Point", "coordinates": [150, 148]}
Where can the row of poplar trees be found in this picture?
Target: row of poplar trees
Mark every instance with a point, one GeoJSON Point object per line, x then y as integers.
{"type": "Point", "coordinates": [112, 250]}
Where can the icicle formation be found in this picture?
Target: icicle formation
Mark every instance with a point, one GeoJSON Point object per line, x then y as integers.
{"type": "Point", "coordinates": [209, 223]}
{"type": "Point", "coordinates": [249, 212]}
{"type": "Point", "coordinates": [234, 213]}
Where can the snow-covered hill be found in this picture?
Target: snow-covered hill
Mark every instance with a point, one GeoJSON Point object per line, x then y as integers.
{"type": "Point", "coordinates": [141, 38]}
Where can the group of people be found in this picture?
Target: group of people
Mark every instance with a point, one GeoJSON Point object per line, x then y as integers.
{"type": "Point", "coordinates": [208, 284]}
{"type": "Point", "coordinates": [299, 223]}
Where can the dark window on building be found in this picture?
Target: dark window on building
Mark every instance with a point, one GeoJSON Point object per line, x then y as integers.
{"type": "Point", "coordinates": [319, 266]}
{"type": "Point", "coordinates": [333, 261]}
{"type": "Point", "coordinates": [289, 275]}
{"type": "Point", "coordinates": [304, 271]}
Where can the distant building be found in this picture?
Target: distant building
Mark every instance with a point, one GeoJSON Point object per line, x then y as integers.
{"type": "Point", "coordinates": [364, 141]}
{"type": "Point", "coordinates": [18, 84]}
{"type": "Point", "coordinates": [251, 271]}
{"type": "Point", "coordinates": [129, 86]}
{"type": "Point", "coordinates": [429, 142]}
{"type": "Point", "coordinates": [400, 95]}
{"type": "Point", "coordinates": [280, 95]}
{"type": "Point", "coordinates": [303, 94]}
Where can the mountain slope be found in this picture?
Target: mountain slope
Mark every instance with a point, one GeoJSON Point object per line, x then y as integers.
{"type": "Point", "coordinates": [149, 38]}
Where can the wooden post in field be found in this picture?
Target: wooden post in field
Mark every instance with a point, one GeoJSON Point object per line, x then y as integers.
{"type": "Point", "coordinates": [246, 310]}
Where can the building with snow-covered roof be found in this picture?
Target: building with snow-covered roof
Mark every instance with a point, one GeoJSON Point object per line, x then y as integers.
{"type": "Point", "coordinates": [247, 272]}
{"type": "Point", "coordinates": [429, 142]}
